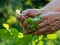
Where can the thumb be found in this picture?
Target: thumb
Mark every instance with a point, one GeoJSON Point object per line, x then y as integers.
{"type": "Point", "coordinates": [44, 16]}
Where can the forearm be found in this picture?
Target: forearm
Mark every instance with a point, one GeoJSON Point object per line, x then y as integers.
{"type": "Point", "coordinates": [53, 6]}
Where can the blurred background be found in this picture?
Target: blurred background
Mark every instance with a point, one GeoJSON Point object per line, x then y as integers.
{"type": "Point", "coordinates": [14, 36]}
{"type": "Point", "coordinates": [7, 15]}
{"type": "Point", "coordinates": [8, 8]}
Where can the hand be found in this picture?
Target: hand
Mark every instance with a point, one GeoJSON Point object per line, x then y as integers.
{"type": "Point", "coordinates": [28, 13]}
{"type": "Point", "coordinates": [50, 24]}
{"type": "Point", "coordinates": [31, 12]}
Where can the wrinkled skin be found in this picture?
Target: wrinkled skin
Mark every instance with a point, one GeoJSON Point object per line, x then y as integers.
{"type": "Point", "coordinates": [50, 23]}
{"type": "Point", "coordinates": [31, 12]}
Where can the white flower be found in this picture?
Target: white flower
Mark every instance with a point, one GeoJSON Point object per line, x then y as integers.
{"type": "Point", "coordinates": [18, 12]}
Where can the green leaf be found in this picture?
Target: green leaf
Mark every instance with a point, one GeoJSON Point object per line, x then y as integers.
{"type": "Point", "coordinates": [14, 33]}
{"type": "Point", "coordinates": [33, 23]}
{"type": "Point", "coordinates": [5, 34]}
{"type": "Point", "coordinates": [26, 39]}
{"type": "Point", "coordinates": [29, 20]}
{"type": "Point", "coordinates": [50, 42]}
{"type": "Point", "coordinates": [37, 18]}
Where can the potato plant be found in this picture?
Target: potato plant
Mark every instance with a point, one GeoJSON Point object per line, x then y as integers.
{"type": "Point", "coordinates": [30, 23]}
{"type": "Point", "coordinates": [33, 23]}
{"type": "Point", "coordinates": [11, 36]}
{"type": "Point", "coordinates": [16, 38]}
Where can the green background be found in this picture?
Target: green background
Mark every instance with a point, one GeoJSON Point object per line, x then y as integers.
{"type": "Point", "coordinates": [7, 15]}
{"type": "Point", "coordinates": [8, 8]}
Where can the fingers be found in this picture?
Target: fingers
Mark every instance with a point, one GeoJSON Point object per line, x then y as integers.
{"type": "Point", "coordinates": [42, 31]}
{"type": "Point", "coordinates": [42, 24]}
{"type": "Point", "coordinates": [48, 29]}
{"type": "Point", "coordinates": [21, 18]}
{"type": "Point", "coordinates": [28, 13]}
{"type": "Point", "coordinates": [31, 12]}
{"type": "Point", "coordinates": [46, 22]}
{"type": "Point", "coordinates": [56, 27]}
{"type": "Point", "coordinates": [56, 22]}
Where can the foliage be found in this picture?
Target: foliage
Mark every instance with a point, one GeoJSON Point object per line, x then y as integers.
{"type": "Point", "coordinates": [14, 37]}
{"type": "Point", "coordinates": [32, 23]}
{"type": "Point", "coordinates": [12, 34]}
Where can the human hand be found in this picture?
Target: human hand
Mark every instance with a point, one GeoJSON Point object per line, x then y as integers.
{"type": "Point", "coordinates": [31, 12]}
{"type": "Point", "coordinates": [28, 13]}
{"type": "Point", "coordinates": [50, 24]}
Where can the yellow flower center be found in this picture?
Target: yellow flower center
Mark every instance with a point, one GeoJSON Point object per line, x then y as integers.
{"type": "Point", "coordinates": [20, 35]}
